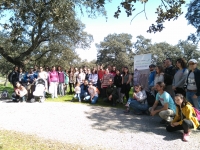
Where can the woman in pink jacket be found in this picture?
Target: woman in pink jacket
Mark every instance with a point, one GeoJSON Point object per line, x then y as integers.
{"type": "Point", "coordinates": [53, 82]}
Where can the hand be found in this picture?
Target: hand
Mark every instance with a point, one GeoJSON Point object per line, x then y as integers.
{"type": "Point", "coordinates": [194, 96]}
{"type": "Point", "coordinates": [153, 112]}
{"type": "Point", "coordinates": [162, 73]}
{"type": "Point", "coordinates": [110, 97]}
{"type": "Point", "coordinates": [175, 124]}
{"type": "Point", "coordinates": [174, 88]}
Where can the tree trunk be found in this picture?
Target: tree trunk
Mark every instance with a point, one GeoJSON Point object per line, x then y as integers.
{"type": "Point", "coordinates": [5, 84]}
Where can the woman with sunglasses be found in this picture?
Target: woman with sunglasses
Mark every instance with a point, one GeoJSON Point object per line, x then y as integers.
{"type": "Point", "coordinates": [193, 84]}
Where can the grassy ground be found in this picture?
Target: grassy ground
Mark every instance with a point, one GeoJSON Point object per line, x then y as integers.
{"type": "Point", "coordinates": [11, 140]}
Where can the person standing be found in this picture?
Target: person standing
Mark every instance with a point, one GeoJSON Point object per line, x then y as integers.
{"type": "Point", "coordinates": [66, 81]}
{"type": "Point", "coordinates": [61, 77]}
{"type": "Point", "coordinates": [13, 77]}
{"type": "Point", "coordinates": [169, 76]}
{"type": "Point", "coordinates": [193, 84]}
{"type": "Point", "coordinates": [152, 75]}
{"type": "Point", "coordinates": [180, 77]}
{"type": "Point", "coordinates": [126, 79]}
{"type": "Point", "coordinates": [53, 80]}
{"type": "Point", "coordinates": [118, 84]}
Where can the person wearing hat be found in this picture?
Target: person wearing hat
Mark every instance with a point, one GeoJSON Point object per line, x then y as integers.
{"type": "Point", "coordinates": [193, 84]}
{"type": "Point", "coordinates": [151, 75]}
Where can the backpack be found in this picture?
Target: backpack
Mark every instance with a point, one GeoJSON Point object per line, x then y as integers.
{"type": "Point", "coordinates": [197, 113]}
{"type": "Point", "coordinates": [10, 76]}
{"type": "Point", "coordinates": [150, 98]}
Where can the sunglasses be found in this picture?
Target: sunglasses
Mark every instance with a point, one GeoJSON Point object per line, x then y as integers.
{"type": "Point", "coordinates": [191, 63]}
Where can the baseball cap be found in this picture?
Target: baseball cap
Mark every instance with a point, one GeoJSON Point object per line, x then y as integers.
{"type": "Point", "coordinates": [193, 60]}
{"type": "Point", "coordinates": [152, 66]}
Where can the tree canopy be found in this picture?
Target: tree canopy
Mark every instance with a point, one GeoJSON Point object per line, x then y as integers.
{"type": "Point", "coordinates": [38, 28]}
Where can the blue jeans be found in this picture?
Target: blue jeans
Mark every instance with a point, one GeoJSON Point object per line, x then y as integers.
{"type": "Point", "coordinates": [77, 96]}
{"type": "Point", "coordinates": [93, 101]}
{"type": "Point", "coordinates": [138, 107]}
{"type": "Point", "coordinates": [194, 101]}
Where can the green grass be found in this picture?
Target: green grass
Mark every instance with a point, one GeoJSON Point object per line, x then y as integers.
{"type": "Point", "coordinates": [11, 140]}
{"type": "Point", "coordinates": [68, 98]}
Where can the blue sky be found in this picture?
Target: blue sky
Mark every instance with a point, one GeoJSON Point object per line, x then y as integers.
{"type": "Point", "coordinates": [99, 28]}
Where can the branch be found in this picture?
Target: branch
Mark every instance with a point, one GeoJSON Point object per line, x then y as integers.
{"type": "Point", "coordinates": [145, 11]}
{"type": "Point", "coordinates": [164, 5]}
{"type": "Point", "coordinates": [42, 55]}
{"type": "Point", "coordinates": [136, 15]}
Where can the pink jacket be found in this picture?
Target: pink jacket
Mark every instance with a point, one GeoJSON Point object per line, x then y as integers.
{"type": "Point", "coordinates": [53, 76]}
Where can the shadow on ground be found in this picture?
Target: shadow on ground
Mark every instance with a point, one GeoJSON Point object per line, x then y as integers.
{"type": "Point", "coordinates": [105, 119]}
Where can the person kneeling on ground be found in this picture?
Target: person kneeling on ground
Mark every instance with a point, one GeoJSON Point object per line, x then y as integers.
{"type": "Point", "coordinates": [185, 118]}
{"type": "Point", "coordinates": [93, 95]}
{"type": "Point", "coordinates": [111, 93]}
{"type": "Point", "coordinates": [84, 90]}
{"type": "Point", "coordinates": [167, 110]}
{"type": "Point", "coordinates": [137, 101]}
{"type": "Point", "coordinates": [20, 92]}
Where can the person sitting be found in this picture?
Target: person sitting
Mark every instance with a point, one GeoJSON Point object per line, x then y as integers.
{"type": "Point", "coordinates": [167, 110]}
{"type": "Point", "coordinates": [111, 93]}
{"type": "Point", "coordinates": [185, 118]}
{"type": "Point", "coordinates": [93, 95]}
{"type": "Point", "coordinates": [20, 92]}
{"type": "Point", "coordinates": [84, 89]}
{"type": "Point", "coordinates": [137, 102]}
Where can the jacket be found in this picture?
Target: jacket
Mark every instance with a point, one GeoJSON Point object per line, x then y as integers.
{"type": "Point", "coordinates": [112, 90]}
{"type": "Point", "coordinates": [197, 80]}
{"type": "Point", "coordinates": [118, 80]}
{"type": "Point", "coordinates": [169, 75]}
{"type": "Point", "coordinates": [189, 114]}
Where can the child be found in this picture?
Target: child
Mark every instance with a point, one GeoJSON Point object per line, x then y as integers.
{"type": "Point", "coordinates": [20, 92]}
{"type": "Point", "coordinates": [77, 90]}
{"type": "Point", "coordinates": [138, 95]}
{"type": "Point", "coordinates": [185, 118]}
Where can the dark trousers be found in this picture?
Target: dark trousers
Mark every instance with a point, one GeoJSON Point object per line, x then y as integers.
{"type": "Point", "coordinates": [186, 125]}
{"type": "Point", "coordinates": [180, 91]}
{"type": "Point", "coordinates": [71, 85]}
{"type": "Point", "coordinates": [125, 90]}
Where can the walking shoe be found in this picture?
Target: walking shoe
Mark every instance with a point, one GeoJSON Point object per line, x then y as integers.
{"type": "Point", "coordinates": [185, 137]}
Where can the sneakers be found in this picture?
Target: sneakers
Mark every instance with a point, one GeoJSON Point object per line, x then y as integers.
{"type": "Point", "coordinates": [186, 137]}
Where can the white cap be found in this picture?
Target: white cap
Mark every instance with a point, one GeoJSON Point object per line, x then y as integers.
{"type": "Point", "coordinates": [193, 60]}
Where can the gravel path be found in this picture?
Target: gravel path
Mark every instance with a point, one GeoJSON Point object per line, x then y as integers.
{"type": "Point", "coordinates": [92, 127]}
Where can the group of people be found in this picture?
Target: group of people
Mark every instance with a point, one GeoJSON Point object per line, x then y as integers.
{"type": "Point", "coordinates": [177, 95]}
{"type": "Point", "coordinates": [167, 83]}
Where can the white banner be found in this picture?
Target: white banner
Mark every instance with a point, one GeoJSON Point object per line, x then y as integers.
{"type": "Point", "coordinates": [142, 62]}
{"type": "Point", "coordinates": [141, 70]}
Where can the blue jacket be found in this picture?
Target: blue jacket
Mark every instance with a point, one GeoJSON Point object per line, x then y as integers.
{"type": "Point", "coordinates": [151, 78]}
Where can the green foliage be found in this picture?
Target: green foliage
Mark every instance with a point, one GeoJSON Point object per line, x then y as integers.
{"type": "Point", "coordinates": [38, 28]}
{"type": "Point", "coordinates": [116, 49]}
{"type": "Point", "coordinates": [193, 17]}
